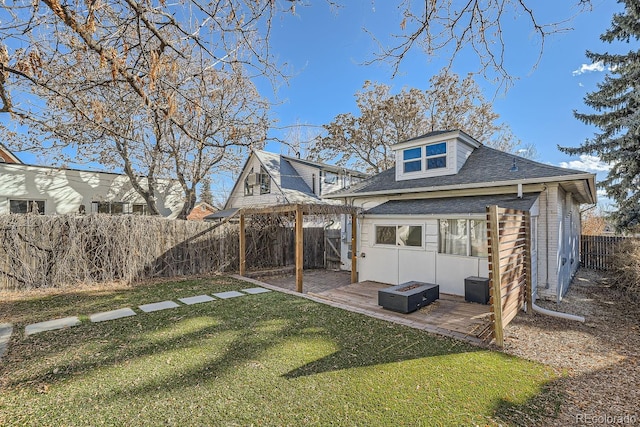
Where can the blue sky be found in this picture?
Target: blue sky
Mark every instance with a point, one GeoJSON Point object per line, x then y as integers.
{"type": "Point", "coordinates": [325, 50]}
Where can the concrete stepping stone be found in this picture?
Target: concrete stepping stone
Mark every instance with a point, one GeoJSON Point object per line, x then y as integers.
{"type": "Point", "coordinates": [112, 315]}
{"type": "Point", "coordinates": [229, 294]}
{"type": "Point", "coordinates": [254, 291]}
{"type": "Point", "coordinates": [51, 325]}
{"type": "Point", "coordinates": [157, 306]}
{"type": "Point", "coordinates": [6, 329]}
{"type": "Point", "coordinates": [196, 300]}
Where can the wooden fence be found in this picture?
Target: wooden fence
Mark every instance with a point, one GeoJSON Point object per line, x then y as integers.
{"type": "Point", "coordinates": [509, 238]}
{"type": "Point", "coordinates": [65, 250]}
{"type": "Point", "coordinates": [597, 252]}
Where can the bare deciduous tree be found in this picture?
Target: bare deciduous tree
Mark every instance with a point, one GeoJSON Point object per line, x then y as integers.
{"type": "Point", "coordinates": [364, 141]}
{"type": "Point", "coordinates": [448, 28]}
{"type": "Point", "coordinates": [137, 84]}
{"type": "Point", "coordinates": [156, 90]}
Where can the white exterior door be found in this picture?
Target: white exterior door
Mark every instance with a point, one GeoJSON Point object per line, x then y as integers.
{"type": "Point", "coordinates": [416, 265]}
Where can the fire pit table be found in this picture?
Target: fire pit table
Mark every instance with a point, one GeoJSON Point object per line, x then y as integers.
{"type": "Point", "coordinates": [408, 296]}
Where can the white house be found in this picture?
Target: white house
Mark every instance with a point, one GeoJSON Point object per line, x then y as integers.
{"type": "Point", "coordinates": [269, 179]}
{"type": "Point", "coordinates": [50, 190]}
{"type": "Point", "coordinates": [425, 219]}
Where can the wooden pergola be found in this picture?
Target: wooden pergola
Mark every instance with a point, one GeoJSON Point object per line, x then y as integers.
{"type": "Point", "coordinates": [299, 210]}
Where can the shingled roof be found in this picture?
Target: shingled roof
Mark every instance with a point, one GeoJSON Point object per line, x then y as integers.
{"type": "Point", "coordinates": [485, 165]}
{"type": "Point", "coordinates": [284, 176]}
{"type": "Point", "coordinates": [454, 205]}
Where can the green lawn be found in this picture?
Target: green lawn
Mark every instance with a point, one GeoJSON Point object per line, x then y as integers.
{"type": "Point", "coordinates": [270, 359]}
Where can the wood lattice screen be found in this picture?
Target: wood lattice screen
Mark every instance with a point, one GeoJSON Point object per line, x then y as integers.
{"type": "Point", "coordinates": [509, 236]}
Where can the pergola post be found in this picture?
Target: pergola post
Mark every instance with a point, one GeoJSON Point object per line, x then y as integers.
{"type": "Point", "coordinates": [299, 247]}
{"type": "Point", "coordinates": [354, 255]}
{"type": "Point", "coordinates": [243, 246]}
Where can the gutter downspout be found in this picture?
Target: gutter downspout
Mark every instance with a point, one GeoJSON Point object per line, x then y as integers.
{"type": "Point", "coordinates": [558, 314]}
{"type": "Point", "coordinates": [546, 230]}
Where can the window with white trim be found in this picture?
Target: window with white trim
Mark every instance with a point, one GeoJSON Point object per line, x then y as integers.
{"type": "Point", "coordinates": [417, 159]}
{"type": "Point", "coordinates": [466, 237]}
{"type": "Point", "coordinates": [265, 181]}
{"type": "Point", "coordinates": [139, 209]}
{"type": "Point", "coordinates": [436, 155]}
{"type": "Point", "coordinates": [248, 185]}
{"type": "Point", "coordinates": [399, 235]}
{"type": "Point", "coordinates": [112, 208]}
{"type": "Point", "coordinates": [26, 206]}
{"type": "Point", "coordinates": [412, 160]}
{"type": "Point", "coordinates": [330, 177]}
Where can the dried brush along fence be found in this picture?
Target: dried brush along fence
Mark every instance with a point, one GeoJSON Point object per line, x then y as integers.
{"type": "Point", "coordinates": [65, 250]}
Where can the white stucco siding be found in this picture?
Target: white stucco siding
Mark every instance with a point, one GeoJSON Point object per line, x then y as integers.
{"type": "Point", "coordinates": [64, 190]}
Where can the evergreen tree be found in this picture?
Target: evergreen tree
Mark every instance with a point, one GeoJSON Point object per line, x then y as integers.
{"type": "Point", "coordinates": [205, 191]}
{"type": "Point", "coordinates": [617, 115]}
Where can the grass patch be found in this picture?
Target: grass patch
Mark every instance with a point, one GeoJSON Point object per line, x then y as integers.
{"type": "Point", "coordinates": [268, 359]}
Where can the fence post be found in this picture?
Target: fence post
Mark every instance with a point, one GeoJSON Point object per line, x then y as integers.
{"type": "Point", "coordinates": [494, 275]}
{"type": "Point", "coordinates": [354, 242]}
{"type": "Point", "coordinates": [527, 261]}
{"type": "Point", "coordinates": [243, 246]}
{"type": "Point", "coordinates": [299, 247]}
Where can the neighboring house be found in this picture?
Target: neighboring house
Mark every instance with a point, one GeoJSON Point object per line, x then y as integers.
{"type": "Point", "coordinates": [7, 156]}
{"type": "Point", "coordinates": [201, 210]}
{"type": "Point", "coordinates": [425, 219]}
{"type": "Point", "coordinates": [49, 190]}
{"type": "Point", "coordinates": [269, 179]}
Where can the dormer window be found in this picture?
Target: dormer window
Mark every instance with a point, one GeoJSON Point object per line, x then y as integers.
{"type": "Point", "coordinates": [412, 159]}
{"type": "Point", "coordinates": [436, 155]}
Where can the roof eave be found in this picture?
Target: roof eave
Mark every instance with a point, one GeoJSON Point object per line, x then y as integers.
{"type": "Point", "coordinates": [585, 176]}
{"type": "Point", "coordinates": [325, 166]}
{"type": "Point", "coordinates": [457, 134]}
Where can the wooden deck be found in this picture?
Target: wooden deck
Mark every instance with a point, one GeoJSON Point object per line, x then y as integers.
{"type": "Point", "coordinates": [450, 315]}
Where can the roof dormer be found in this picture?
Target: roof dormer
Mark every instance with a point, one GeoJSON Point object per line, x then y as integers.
{"type": "Point", "coordinates": [434, 154]}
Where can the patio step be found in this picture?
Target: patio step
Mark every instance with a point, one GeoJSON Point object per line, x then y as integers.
{"type": "Point", "coordinates": [282, 271]}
